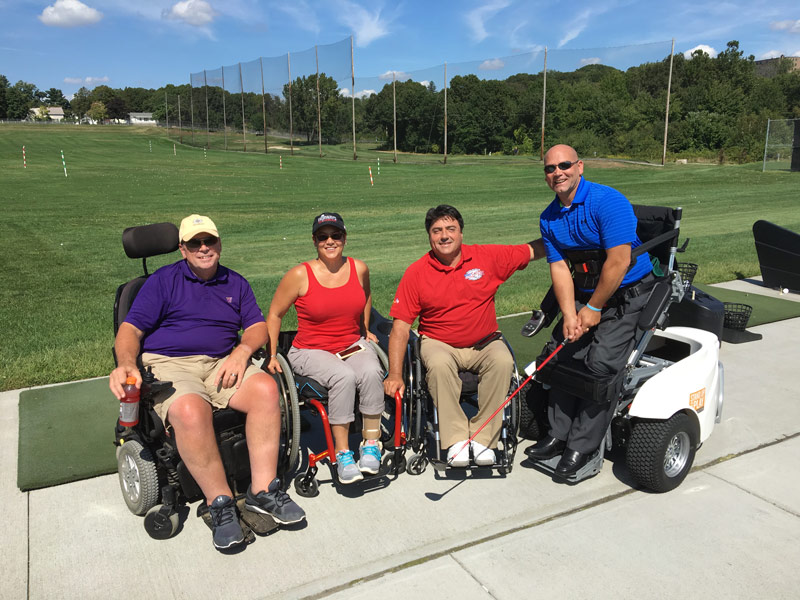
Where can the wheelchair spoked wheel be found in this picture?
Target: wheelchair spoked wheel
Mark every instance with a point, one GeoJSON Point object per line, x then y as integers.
{"type": "Point", "coordinates": [305, 486]}
{"type": "Point", "coordinates": [417, 464]}
{"type": "Point", "coordinates": [138, 478]}
{"type": "Point", "coordinates": [289, 451]}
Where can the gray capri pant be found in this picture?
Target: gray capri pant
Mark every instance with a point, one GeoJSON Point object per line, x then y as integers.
{"type": "Point", "coordinates": [361, 371]}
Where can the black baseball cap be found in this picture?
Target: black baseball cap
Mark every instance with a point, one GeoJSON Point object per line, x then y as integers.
{"type": "Point", "coordinates": [328, 218]}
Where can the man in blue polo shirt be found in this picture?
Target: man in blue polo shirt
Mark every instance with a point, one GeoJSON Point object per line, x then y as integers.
{"type": "Point", "coordinates": [186, 320]}
{"type": "Point", "coordinates": [588, 231]}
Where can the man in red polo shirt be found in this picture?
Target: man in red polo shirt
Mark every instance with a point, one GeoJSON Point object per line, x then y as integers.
{"type": "Point", "coordinates": [451, 289]}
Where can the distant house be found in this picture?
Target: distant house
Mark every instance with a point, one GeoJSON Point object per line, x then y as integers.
{"type": "Point", "coordinates": [769, 66]}
{"type": "Point", "coordinates": [56, 113]}
{"type": "Point", "coordinates": [141, 118]}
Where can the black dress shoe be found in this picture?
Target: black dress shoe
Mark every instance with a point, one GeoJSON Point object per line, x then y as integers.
{"type": "Point", "coordinates": [570, 463]}
{"type": "Point", "coordinates": [545, 448]}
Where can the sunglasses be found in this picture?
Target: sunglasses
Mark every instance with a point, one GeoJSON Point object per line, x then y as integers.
{"type": "Point", "coordinates": [562, 166]}
{"type": "Point", "coordinates": [195, 244]}
{"type": "Point", "coordinates": [323, 237]}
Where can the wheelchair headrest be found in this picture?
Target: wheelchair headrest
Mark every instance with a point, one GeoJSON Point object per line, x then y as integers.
{"type": "Point", "coordinates": [150, 240]}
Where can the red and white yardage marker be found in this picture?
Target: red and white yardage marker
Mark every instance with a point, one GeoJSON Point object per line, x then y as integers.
{"type": "Point", "coordinates": [24, 162]}
{"type": "Point", "coordinates": [63, 162]}
{"type": "Point", "coordinates": [280, 162]}
{"type": "Point", "coordinates": [371, 182]}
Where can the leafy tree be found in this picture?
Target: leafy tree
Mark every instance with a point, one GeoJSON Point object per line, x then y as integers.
{"type": "Point", "coordinates": [304, 105]}
{"type": "Point", "coordinates": [3, 99]}
{"type": "Point", "coordinates": [21, 98]}
{"type": "Point", "coordinates": [81, 102]}
{"type": "Point", "coordinates": [55, 97]}
{"type": "Point", "coordinates": [97, 112]}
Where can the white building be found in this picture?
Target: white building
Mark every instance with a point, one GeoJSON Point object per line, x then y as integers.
{"type": "Point", "coordinates": [141, 118]}
{"type": "Point", "coordinates": [56, 113]}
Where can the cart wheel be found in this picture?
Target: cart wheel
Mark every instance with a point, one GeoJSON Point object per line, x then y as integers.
{"type": "Point", "coordinates": [390, 466]}
{"type": "Point", "coordinates": [138, 478]}
{"type": "Point", "coordinates": [159, 523]}
{"type": "Point", "coordinates": [660, 453]}
{"type": "Point", "coordinates": [307, 488]}
{"type": "Point", "coordinates": [417, 464]}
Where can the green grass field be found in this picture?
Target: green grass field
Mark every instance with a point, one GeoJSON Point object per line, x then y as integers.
{"type": "Point", "coordinates": [62, 235]}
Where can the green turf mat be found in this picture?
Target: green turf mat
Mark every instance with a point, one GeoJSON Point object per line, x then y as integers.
{"type": "Point", "coordinates": [66, 433]}
{"type": "Point", "coordinates": [765, 308]}
{"type": "Point", "coordinates": [525, 349]}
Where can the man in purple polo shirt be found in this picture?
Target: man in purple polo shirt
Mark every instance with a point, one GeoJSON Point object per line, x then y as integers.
{"type": "Point", "coordinates": [186, 320]}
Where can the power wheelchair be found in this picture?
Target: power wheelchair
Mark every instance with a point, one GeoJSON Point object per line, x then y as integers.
{"type": "Point", "coordinates": [153, 478]}
{"type": "Point", "coordinates": [421, 418]}
{"type": "Point", "coordinates": [312, 396]}
{"type": "Point", "coordinates": [670, 394]}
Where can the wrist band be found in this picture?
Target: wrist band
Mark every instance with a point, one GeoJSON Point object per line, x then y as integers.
{"type": "Point", "coordinates": [590, 307]}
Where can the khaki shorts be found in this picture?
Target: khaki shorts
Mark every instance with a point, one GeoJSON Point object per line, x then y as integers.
{"type": "Point", "coordinates": [191, 375]}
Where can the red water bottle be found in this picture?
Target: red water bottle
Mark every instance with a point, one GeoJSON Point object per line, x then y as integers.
{"type": "Point", "coordinates": [129, 405]}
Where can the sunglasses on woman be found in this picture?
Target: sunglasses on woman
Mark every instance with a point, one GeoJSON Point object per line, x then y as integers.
{"type": "Point", "coordinates": [323, 237]}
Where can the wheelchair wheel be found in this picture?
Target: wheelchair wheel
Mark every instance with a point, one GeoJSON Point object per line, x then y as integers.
{"type": "Point", "coordinates": [417, 464]}
{"type": "Point", "coordinates": [391, 467]}
{"type": "Point", "coordinates": [305, 487]}
{"type": "Point", "coordinates": [660, 453]}
{"type": "Point", "coordinates": [160, 523]}
{"type": "Point", "coordinates": [289, 452]}
{"type": "Point", "coordinates": [138, 478]}
{"type": "Point", "coordinates": [388, 416]}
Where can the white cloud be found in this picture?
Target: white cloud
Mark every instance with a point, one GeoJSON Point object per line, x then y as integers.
{"type": "Point", "coordinates": [360, 94]}
{"type": "Point", "coordinates": [478, 17]}
{"type": "Point", "coordinates": [398, 75]}
{"type": "Point", "coordinates": [495, 64]}
{"type": "Point", "coordinates": [590, 61]}
{"type": "Point", "coordinates": [707, 49]}
{"type": "Point", "coordinates": [87, 81]}
{"type": "Point", "coordinates": [301, 13]}
{"type": "Point", "coordinates": [770, 54]}
{"type": "Point", "coordinates": [197, 13]}
{"type": "Point", "coordinates": [367, 26]}
{"type": "Point", "coordinates": [790, 26]}
{"type": "Point", "coordinates": [69, 13]}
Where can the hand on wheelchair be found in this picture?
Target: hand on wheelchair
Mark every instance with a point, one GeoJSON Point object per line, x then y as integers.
{"type": "Point", "coordinates": [273, 366]}
{"type": "Point", "coordinates": [393, 384]}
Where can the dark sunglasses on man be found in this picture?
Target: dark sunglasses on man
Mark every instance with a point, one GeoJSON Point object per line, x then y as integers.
{"type": "Point", "coordinates": [323, 237]}
{"type": "Point", "coordinates": [562, 166]}
{"type": "Point", "coordinates": [196, 244]}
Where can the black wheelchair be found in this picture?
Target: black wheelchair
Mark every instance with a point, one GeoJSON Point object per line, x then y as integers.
{"type": "Point", "coordinates": [312, 396]}
{"type": "Point", "coordinates": [421, 418]}
{"type": "Point", "coordinates": [153, 478]}
{"type": "Point", "coordinates": [670, 393]}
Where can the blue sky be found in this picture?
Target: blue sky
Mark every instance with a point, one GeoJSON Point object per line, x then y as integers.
{"type": "Point", "coordinates": [72, 43]}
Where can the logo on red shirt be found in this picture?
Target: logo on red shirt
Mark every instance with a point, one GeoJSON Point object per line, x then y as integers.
{"type": "Point", "coordinates": [473, 274]}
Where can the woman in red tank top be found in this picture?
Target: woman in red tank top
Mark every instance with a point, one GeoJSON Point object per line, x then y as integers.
{"type": "Point", "coordinates": [333, 301]}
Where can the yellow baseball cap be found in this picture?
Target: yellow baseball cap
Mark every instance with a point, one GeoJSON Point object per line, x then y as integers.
{"type": "Point", "coordinates": [194, 224]}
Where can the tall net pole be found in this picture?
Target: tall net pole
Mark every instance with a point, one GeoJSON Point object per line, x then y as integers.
{"type": "Point", "coordinates": [353, 89]}
{"type": "Point", "coordinates": [445, 113]}
{"type": "Point", "coordinates": [544, 103]}
{"type": "Point", "coordinates": [394, 114]}
{"type": "Point", "coordinates": [241, 89]}
{"type": "Point", "coordinates": [263, 103]}
{"type": "Point", "coordinates": [319, 109]}
{"type": "Point", "coordinates": [180, 125]}
{"type": "Point", "coordinates": [166, 110]}
{"type": "Point", "coordinates": [191, 104]}
{"type": "Point", "coordinates": [666, 116]}
{"type": "Point", "coordinates": [291, 124]}
{"type": "Point", "coordinates": [208, 129]}
{"type": "Point", "coordinates": [764, 166]}
{"type": "Point", "coordinates": [224, 112]}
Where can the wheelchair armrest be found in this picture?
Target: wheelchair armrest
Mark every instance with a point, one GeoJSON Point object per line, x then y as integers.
{"type": "Point", "coordinates": [656, 306]}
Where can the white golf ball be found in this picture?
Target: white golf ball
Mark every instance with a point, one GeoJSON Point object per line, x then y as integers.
{"type": "Point", "coordinates": [785, 290]}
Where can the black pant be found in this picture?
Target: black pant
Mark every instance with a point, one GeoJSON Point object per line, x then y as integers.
{"type": "Point", "coordinates": [604, 352]}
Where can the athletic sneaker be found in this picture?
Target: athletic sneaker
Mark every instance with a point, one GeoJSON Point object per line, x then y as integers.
{"type": "Point", "coordinates": [483, 456]}
{"type": "Point", "coordinates": [224, 523]}
{"type": "Point", "coordinates": [370, 459]}
{"type": "Point", "coordinates": [458, 457]}
{"type": "Point", "coordinates": [346, 467]}
{"type": "Point", "coordinates": [276, 503]}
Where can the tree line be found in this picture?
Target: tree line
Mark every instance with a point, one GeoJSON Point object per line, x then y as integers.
{"type": "Point", "coordinates": [718, 107]}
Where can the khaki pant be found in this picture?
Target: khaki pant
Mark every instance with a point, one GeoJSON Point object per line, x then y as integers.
{"type": "Point", "coordinates": [493, 365]}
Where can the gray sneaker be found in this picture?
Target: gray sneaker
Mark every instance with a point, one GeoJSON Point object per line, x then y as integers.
{"type": "Point", "coordinates": [224, 523]}
{"type": "Point", "coordinates": [276, 503]}
{"type": "Point", "coordinates": [370, 459]}
{"type": "Point", "coordinates": [346, 467]}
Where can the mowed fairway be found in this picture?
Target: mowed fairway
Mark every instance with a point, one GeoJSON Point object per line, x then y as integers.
{"type": "Point", "coordinates": [61, 235]}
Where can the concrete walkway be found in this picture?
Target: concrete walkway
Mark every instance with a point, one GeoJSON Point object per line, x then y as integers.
{"type": "Point", "coordinates": [730, 530]}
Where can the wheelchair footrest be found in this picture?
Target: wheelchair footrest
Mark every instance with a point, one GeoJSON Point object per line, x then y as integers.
{"type": "Point", "coordinates": [259, 523]}
{"type": "Point", "coordinates": [593, 466]}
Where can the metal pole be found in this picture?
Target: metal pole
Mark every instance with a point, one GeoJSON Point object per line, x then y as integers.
{"type": "Point", "coordinates": [666, 116]}
{"type": "Point", "coordinates": [180, 125]}
{"type": "Point", "coordinates": [291, 124]}
{"type": "Point", "coordinates": [544, 101]}
{"type": "Point", "coordinates": [319, 111]}
{"type": "Point", "coordinates": [764, 165]}
{"type": "Point", "coordinates": [394, 115]}
{"type": "Point", "coordinates": [224, 112]}
{"type": "Point", "coordinates": [166, 110]}
{"type": "Point", "coordinates": [263, 103]}
{"type": "Point", "coordinates": [445, 113]}
{"type": "Point", "coordinates": [191, 104]}
{"type": "Point", "coordinates": [241, 88]}
{"type": "Point", "coordinates": [353, 94]}
{"type": "Point", "coordinates": [208, 131]}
